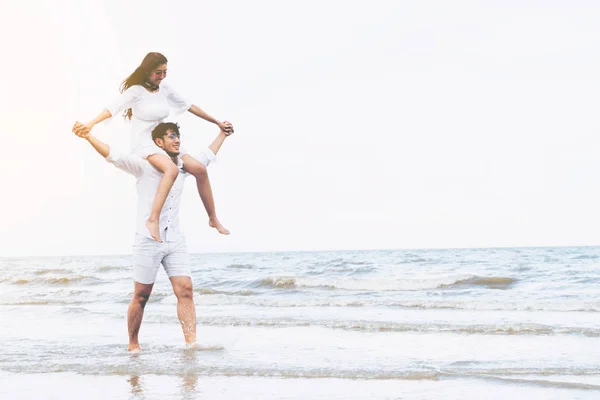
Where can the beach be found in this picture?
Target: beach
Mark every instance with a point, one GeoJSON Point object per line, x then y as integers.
{"type": "Point", "coordinates": [385, 324]}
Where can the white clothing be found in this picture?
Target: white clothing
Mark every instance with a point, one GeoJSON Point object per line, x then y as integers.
{"type": "Point", "coordinates": [147, 182]}
{"type": "Point", "coordinates": [148, 254]}
{"type": "Point", "coordinates": [149, 109]}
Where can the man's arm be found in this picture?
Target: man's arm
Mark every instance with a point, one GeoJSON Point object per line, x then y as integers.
{"type": "Point", "coordinates": [130, 164]}
{"type": "Point", "coordinates": [102, 148]}
{"type": "Point", "coordinates": [209, 155]}
{"type": "Point", "coordinates": [218, 142]}
{"type": "Point", "coordinates": [82, 131]}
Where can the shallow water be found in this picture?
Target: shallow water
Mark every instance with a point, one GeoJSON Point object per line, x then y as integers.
{"type": "Point", "coordinates": [469, 323]}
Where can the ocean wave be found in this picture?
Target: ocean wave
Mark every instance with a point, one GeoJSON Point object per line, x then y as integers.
{"type": "Point", "coordinates": [323, 373]}
{"type": "Point", "coordinates": [412, 260]}
{"type": "Point", "coordinates": [40, 302]}
{"type": "Point", "coordinates": [490, 282]}
{"type": "Point", "coordinates": [559, 306]}
{"type": "Point", "coordinates": [59, 280]}
{"type": "Point", "coordinates": [66, 280]}
{"type": "Point", "coordinates": [74, 310]}
{"type": "Point", "coordinates": [241, 266]}
{"type": "Point", "coordinates": [105, 268]}
{"type": "Point", "coordinates": [530, 304]}
{"type": "Point", "coordinates": [538, 377]}
{"type": "Point", "coordinates": [51, 271]}
{"type": "Point", "coordinates": [545, 371]}
{"type": "Point", "coordinates": [548, 383]}
{"type": "Point", "coordinates": [342, 264]}
{"type": "Point", "coordinates": [585, 257]}
{"type": "Point", "coordinates": [383, 284]}
{"type": "Point", "coordinates": [534, 377]}
{"type": "Point", "coordinates": [381, 326]}
{"type": "Point", "coordinates": [208, 291]}
{"type": "Point", "coordinates": [469, 304]}
{"type": "Point", "coordinates": [226, 371]}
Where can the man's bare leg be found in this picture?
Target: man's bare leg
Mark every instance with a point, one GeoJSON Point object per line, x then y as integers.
{"type": "Point", "coordinates": [135, 313]}
{"type": "Point", "coordinates": [186, 311]}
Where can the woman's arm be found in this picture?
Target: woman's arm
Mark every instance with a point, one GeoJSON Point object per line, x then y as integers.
{"type": "Point", "coordinates": [224, 126]}
{"type": "Point", "coordinates": [104, 115]}
{"type": "Point", "coordinates": [80, 128]}
{"type": "Point", "coordinates": [127, 99]}
{"type": "Point", "coordinates": [181, 104]}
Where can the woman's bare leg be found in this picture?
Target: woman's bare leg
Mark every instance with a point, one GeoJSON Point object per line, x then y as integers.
{"type": "Point", "coordinates": [170, 172]}
{"type": "Point", "coordinates": [196, 168]}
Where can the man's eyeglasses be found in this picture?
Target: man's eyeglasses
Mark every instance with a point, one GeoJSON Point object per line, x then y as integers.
{"type": "Point", "coordinates": [173, 136]}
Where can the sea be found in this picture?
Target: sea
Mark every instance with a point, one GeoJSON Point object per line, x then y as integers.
{"type": "Point", "coordinates": [519, 323]}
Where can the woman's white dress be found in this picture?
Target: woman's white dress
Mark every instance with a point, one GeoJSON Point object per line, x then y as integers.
{"type": "Point", "coordinates": [149, 109]}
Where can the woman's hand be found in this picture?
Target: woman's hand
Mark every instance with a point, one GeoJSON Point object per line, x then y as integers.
{"type": "Point", "coordinates": [81, 130]}
{"type": "Point", "coordinates": [226, 126]}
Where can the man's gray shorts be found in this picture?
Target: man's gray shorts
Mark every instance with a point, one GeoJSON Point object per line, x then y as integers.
{"type": "Point", "coordinates": [148, 254]}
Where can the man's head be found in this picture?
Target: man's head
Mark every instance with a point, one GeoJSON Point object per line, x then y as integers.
{"type": "Point", "coordinates": [166, 136]}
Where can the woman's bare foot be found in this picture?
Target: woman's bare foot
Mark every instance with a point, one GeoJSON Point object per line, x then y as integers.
{"type": "Point", "coordinates": [153, 229]}
{"type": "Point", "coordinates": [214, 223]}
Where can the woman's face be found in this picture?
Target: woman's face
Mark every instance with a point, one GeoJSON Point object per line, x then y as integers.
{"type": "Point", "coordinates": [157, 75]}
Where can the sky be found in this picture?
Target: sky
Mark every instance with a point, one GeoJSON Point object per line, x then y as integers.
{"type": "Point", "coordinates": [359, 125]}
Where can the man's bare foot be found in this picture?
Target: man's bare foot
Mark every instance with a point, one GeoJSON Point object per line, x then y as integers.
{"type": "Point", "coordinates": [153, 229]}
{"type": "Point", "coordinates": [134, 348]}
{"type": "Point", "coordinates": [214, 223]}
{"type": "Point", "coordinates": [192, 346]}
{"type": "Point", "coordinates": [198, 347]}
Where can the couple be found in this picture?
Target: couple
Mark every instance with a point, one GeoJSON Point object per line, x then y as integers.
{"type": "Point", "coordinates": [160, 164]}
{"type": "Point", "coordinates": [147, 252]}
{"type": "Point", "coordinates": [146, 101]}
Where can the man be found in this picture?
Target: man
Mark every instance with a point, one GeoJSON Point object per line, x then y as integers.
{"type": "Point", "coordinates": [148, 254]}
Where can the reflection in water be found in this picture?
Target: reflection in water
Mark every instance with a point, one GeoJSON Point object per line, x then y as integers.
{"type": "Point", "coordinates": [188, 373]}
{"type": "Point", "coordinates": [189, 359]}
{"type": "Point", "coordinates": [188, 390]}
{"type": "Point", "coordinates": [136, 387]}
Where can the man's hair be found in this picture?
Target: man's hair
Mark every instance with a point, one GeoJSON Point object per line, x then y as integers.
{"type": "Point", "coordinates": [162, 128]}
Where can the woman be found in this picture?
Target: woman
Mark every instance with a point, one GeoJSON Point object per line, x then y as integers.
{"type": "Point", "coordinates": [146, 101]}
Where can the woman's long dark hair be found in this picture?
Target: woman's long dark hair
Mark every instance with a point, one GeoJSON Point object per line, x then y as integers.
{"type": "Point", "coordinates": [149, 63]}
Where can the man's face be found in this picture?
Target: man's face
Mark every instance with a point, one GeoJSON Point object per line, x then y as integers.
{"type": "Point", "coordinates": [157, 75]}
{"type": "Point", "coordinates": [170, 143]}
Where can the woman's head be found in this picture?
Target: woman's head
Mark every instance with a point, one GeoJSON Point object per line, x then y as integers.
{"type": "Point", "coordinates": [150, 73]}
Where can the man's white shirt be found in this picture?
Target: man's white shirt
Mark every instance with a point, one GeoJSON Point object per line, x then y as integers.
{"type": "Point", "coordinates": [147, 182]}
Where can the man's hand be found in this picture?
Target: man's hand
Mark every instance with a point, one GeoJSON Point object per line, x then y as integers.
{"type": "Point", "coordinates": [81, 130]}
{"type": "Point", "coordinates": [226, 127]}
